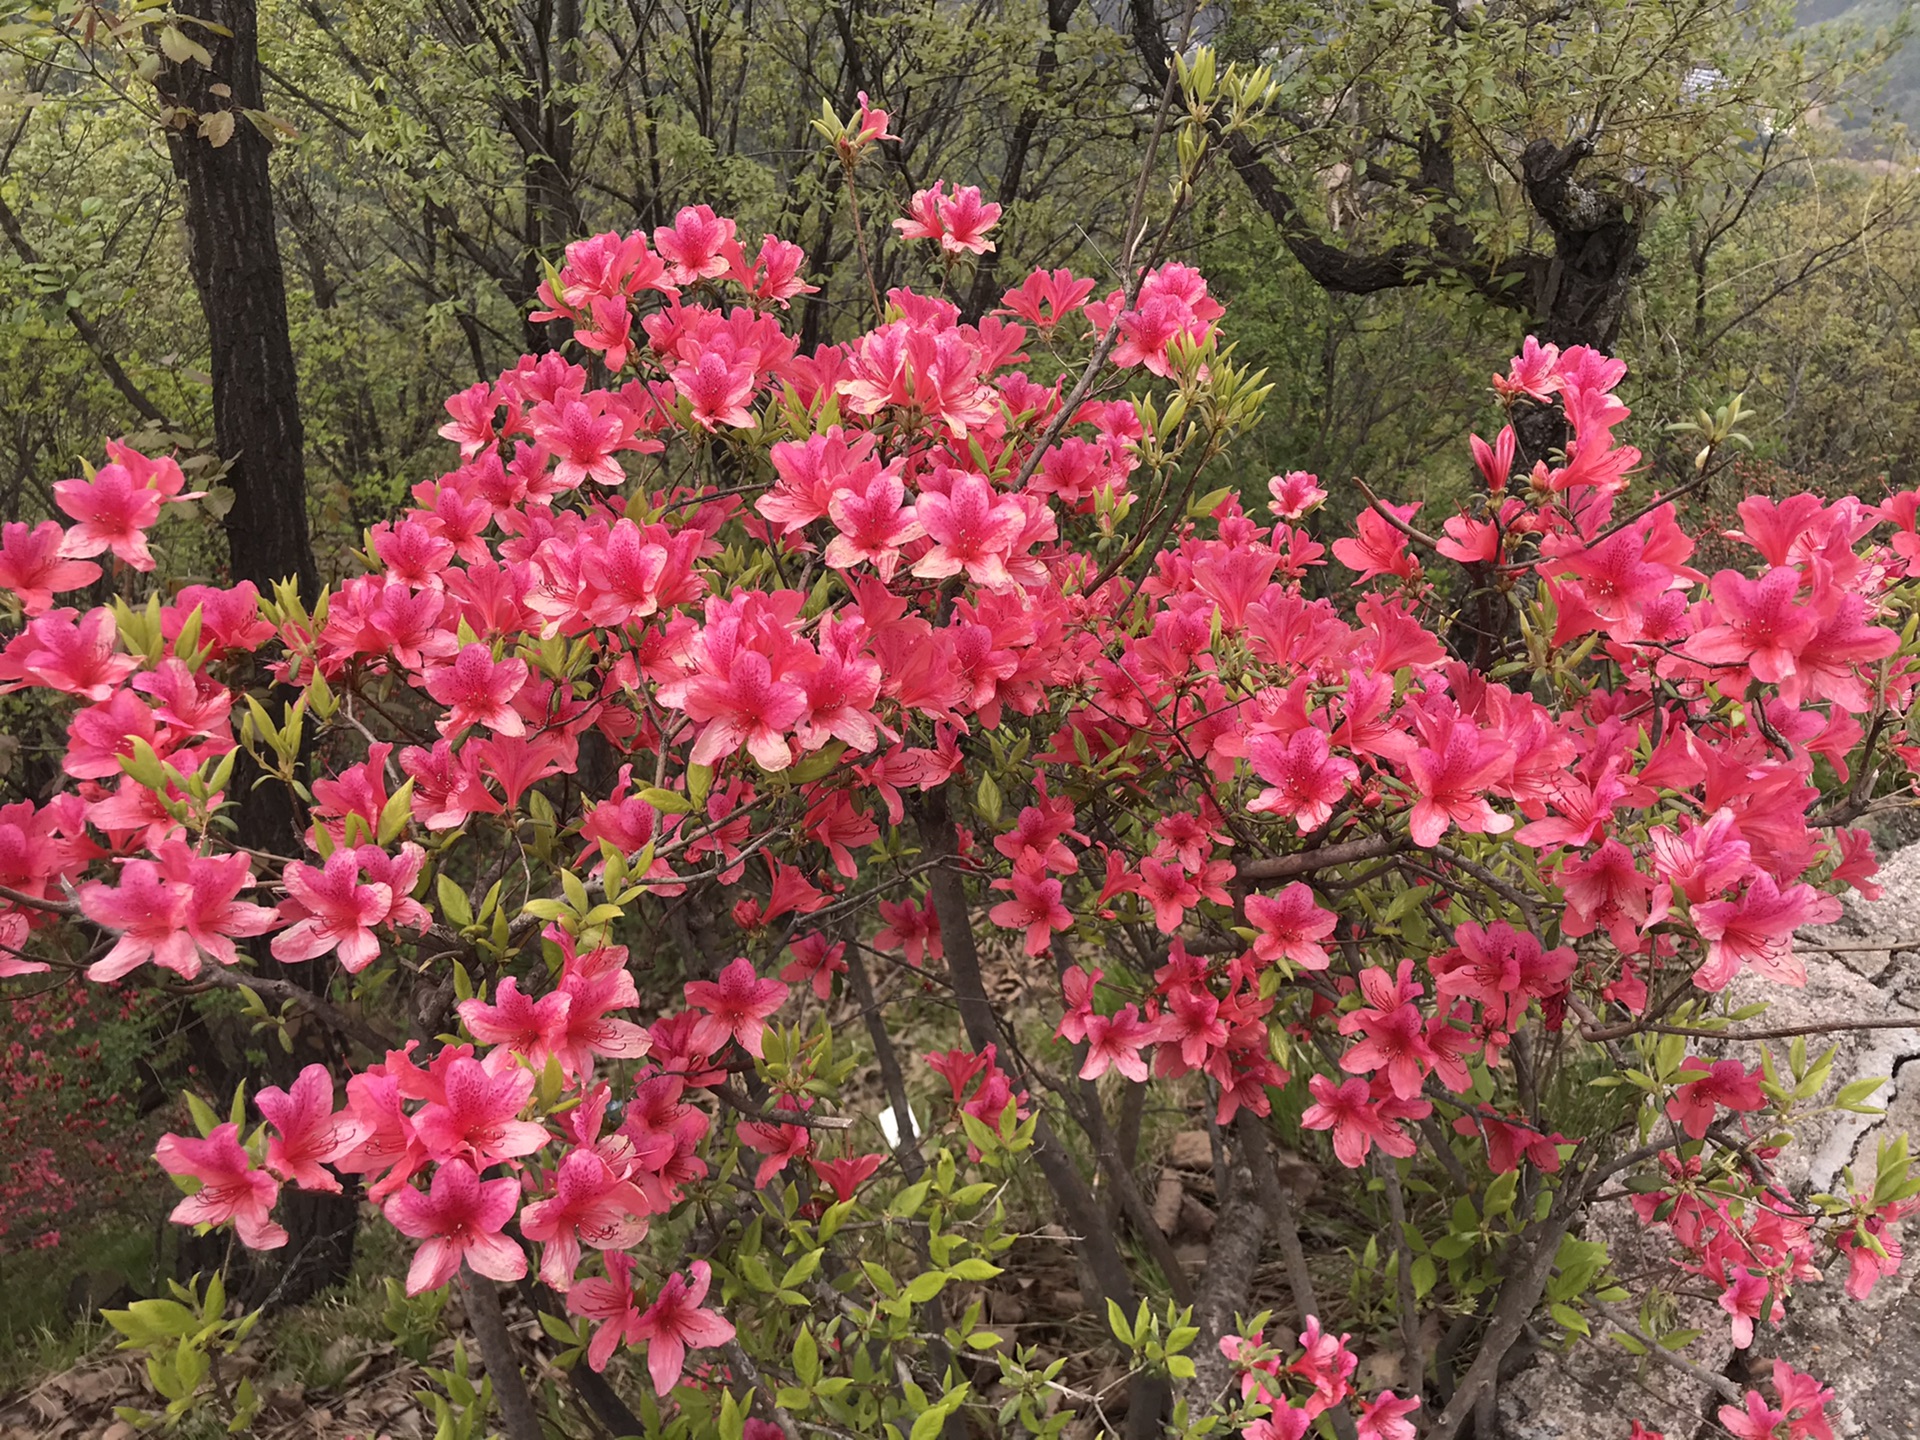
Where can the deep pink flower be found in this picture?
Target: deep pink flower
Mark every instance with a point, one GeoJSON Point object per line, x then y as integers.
{"type": "Point", "coordinates": [973, 529]}
{"type": "Point", "coordinates": [590, 1203]}
{"type": "Point", "coordinates": [310, 1134]}
{"type": "Point", "coordinates": [1036, 907]}
{"type": "Point", "coordinates": [332, 911]}
{"type": "Point", "coordinates": [737, 1005]}
{"type": "Point", "coordinates": [675, 1323]}
{"type": "Point", "coordinates": [1305, 779]}
{"type": "Point", "coordinates": [33, 568]}
{"type": "Point", "coordinates": [1349, 1111]}
{"type": "Point", "coordinates": [1291, 926]}
{"type": "Point", "coordinates": [478, 1118]}
{"type": "Point", "coordinates": [458, 1219]}
{"type": "Point", "coordinates": [846, 1175]}
{"type": "Point", "coordinates": [1720, 1083]}
{"type": "Point", "coordinates": [478, 690]}
{"type": "Point", "coordinates": [611, 1302]}
{"type": "Point", "coordinates": [230, 1187]}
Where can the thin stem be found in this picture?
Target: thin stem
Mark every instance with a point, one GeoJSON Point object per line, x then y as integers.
{"type": "Point", "coordinates": [502, 1360]}
{"type": "Point", "coordinates": [1414, 1371]}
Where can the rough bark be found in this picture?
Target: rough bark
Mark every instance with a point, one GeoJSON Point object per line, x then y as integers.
{"type": "Point", "coordinates": [1575, 295]}
{"type": "Point", "coordinates": [234, 257]}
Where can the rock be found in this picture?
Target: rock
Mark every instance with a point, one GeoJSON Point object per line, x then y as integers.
{"type": "Point", "coordinates": [1191, 1150]}
{"type": "Point", "coordinates": [1166, 1202]}
{"type": "Point", "coordinates": [1298, 1174]}
{"type": "Point", "coordinates": [1195, 1217]}
{"type": "Point", "coordinates": [1869, 1353]}
{"type": "Point", "coordinates": [1835, 991]}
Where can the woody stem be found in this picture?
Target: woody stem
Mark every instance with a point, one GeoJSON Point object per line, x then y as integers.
{"type": "Point", "coordinates": [502, 1360]}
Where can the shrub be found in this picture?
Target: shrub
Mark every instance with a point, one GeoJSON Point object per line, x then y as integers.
{"type": "Point", "coordinates": [761, 678]}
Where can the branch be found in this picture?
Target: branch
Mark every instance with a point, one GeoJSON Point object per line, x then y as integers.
{"type": "Point", "coordinates": [1720, 1384]}
{"type": "Point", "coordinates": [734, 1100]}
{"type": "Point", "coordinates": [490, 1333]}
{"type": "Point", "coordinates": [56, 907]}
{"type": "Point", "coordinates": [1414, 1369]}
{"type": "Point", "coordinates": [1776, 1032]}
{"type": "Point", "coordinates": [88, 332]}
{"type": "Point", "coordinates": [1279, 867]}
{"type": "Point", "coordinates": [346, 1026]}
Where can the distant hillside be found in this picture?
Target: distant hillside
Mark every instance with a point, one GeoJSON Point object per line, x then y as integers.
{"type": "Point", "coordinates": [1901, 95]}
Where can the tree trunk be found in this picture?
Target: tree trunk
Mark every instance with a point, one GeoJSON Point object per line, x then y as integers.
{"type": "Point", "coordinates": [221, 159]}
{"type": "Point", "coordinates": [234, 256]}
{"type": "Point", "coordinates": [1580, 292]}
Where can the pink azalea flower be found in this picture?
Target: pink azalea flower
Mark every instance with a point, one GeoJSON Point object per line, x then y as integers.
{"type": "Point", "coordinates": [230, 1187]}
{"type": "Point", "coordinates": [1349, 1111]}
{"type": "Point", "coordinates": [150, 916]}
{"type": "Point", "coordinates": [478, 1118]}
{"type": "Point", "coordinates": [973, 530]}
{"type": "Point", "coordinates": [458, 1219]}
{"type": "Point", "coordinates": [1755, 932]}
{"type": "Point", "coordinates": [1291, 926]}
{"type": "Point", "coordinates": [478, 690]}
{"type": "Point", "coordinates": [675, 1323]}
{"type": "Point", "coordinates": [611, 1302]}
{"type": "Point", "coordinates": [332, 910]}
{"type": "Point", "coordinates": [846, 1175]}
{"type": "Point", "coordinates": [529, 1028]}
{"type": "Point", "coordinates": [1035, 907]}
{"type": "Point", "coordinates": [1384, 1418]}
{"type": "Point", "coordinates": [1450, 776]}
{"type": "Point", "coordinates": [590, 1203]}
{"type": "Point", "coordinates": [33, 568]}
{"type": "Point", "coordinates": [737, 1005]}
{"type": "Point", "coordinates": [1720, 1083]}
{"type": "Point", "coordinates": [310, 1134]}
{"type": "Point", "coordinates": [815, 961]}
{"type": "Point", "coordinates": [73, 658]}
{"type": "Point", "coordinates": [1305, 779]}
{"type": "Point", "coordinates": [114, 511]}
{"type": "Point", "coordinates": [1114, 1043]}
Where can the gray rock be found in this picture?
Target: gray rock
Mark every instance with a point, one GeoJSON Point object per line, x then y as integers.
{"type": "Point", "coordinates": [1868, 1352]}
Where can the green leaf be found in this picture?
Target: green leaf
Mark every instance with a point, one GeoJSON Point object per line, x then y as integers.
{"type": "Point", "coordinates": [907, 1203]}
{"type": "Point", "coordinates": [1567, 1318]}
{"type": "Point", "coordinates": [1500, 1192]}
{"type": "Point", "coordinates": [453, 901]}
{"type": "Point", "coordinates": [395, 814]}
{"type": "Point", "coordinates": [923, 1288]}
{"type": "Point", "coordinates": [806, 1357]}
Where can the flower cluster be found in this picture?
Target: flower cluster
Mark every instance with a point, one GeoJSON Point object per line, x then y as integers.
{"type": "Point", "coordinates": [827, 611]}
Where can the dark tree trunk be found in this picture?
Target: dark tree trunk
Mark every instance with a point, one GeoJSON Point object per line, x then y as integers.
{"type": "Point", "coordinates": [1580, 292]}
{"type": "Point", "coordinates": [234, 255]}
{"type": "Point", "coordinates": [221, 159]}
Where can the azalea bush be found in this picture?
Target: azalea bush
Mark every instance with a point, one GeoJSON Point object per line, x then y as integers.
{"type": "Point", "coordinates": [696, 758]}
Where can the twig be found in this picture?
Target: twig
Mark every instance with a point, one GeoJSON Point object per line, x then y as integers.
{"type": "Point", "coordinates": [750, 1372]}
{"type": "Point", "coordinates": [734, 1100]}
{"type": "Point", "coordinates": [1720, 1384]}
{"type": "Point", "coordinates": [1136, 232]}
{"type": "Point", "coordinates": [1776, 1032]}
{"type": "Point", "coordinates": [1279, 867]}
{"type": "Point", "coordinates": [1286, 1225]}
{"type": "Point", "coordinates": [20, 897]}
{"type": "Point", "coordinates": [1379, 508]}
{"type": "Point", "coordinates": [1413, 1372]}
